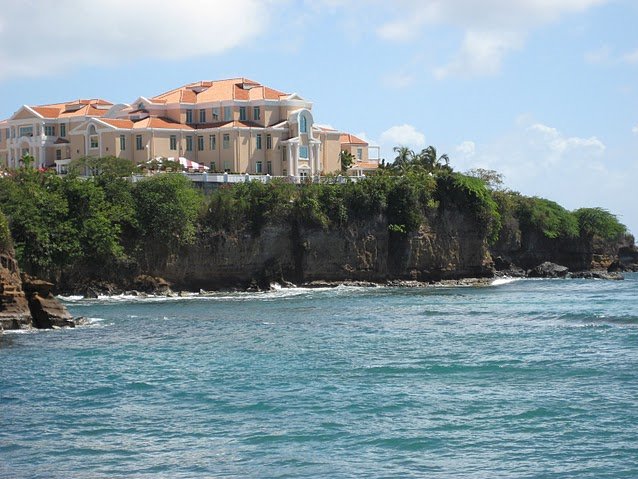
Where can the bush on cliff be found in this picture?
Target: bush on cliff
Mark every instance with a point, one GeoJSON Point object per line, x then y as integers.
{"type": "Point", "coordinates": [546, 216]}
{"type": "Point", "coordinates": [167, 209]}
{"type": "Point", "coordinates": [598, 222]}
{"type": "Point", "coordinates": [470, 194]}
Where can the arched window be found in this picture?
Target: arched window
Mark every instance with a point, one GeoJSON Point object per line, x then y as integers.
{"type": "Point", "coordinates": [93, 138]}
{"type": "Point", "coordinates": [303, 124]}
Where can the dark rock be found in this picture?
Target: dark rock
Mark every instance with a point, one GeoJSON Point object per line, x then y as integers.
{"type": "Point", "coordinates": [151, 284]}
{"type": "Point", "coordinates": [548, 270]}
{"type": "Point", "coordinates": [48, 312]}
{"type": "Point", "coordinates": [600, 274]}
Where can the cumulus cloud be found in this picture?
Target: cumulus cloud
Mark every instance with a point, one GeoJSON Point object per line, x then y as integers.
{"type": "Point", "coordinates": [491, 28]}
{"type": "Point", "coordinates": [402, 135]}
{"type": "Point", "coordinates": [109, 31]}
{"type": "Point", "coordinates": [466, 149]}
{"type": "Point", "coordinates": [635, 129]}
{"type": "Point", "coordinates": [575, 170]}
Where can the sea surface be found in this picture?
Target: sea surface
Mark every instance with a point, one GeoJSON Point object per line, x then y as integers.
{"type": "Point", "coordinates": [520, 379]}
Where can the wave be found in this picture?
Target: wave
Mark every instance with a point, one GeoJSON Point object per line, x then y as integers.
{"type": "Point", "coordinates": [505, 280]}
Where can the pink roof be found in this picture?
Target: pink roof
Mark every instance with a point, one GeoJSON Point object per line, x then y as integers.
{"type": "Point", "coordinates": [348, 139]}
{"type": "Point", "coordinates": [220, 90]}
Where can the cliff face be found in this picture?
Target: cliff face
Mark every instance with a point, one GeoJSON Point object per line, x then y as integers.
{"type": "Point", "coordinates": [449, 245]}
{"type": "Point", "coordinates": [527, 248]}
{"type": "Point", "coordinates": [25, 302]}
{"type": "Point", "coordinates": [14, 308]}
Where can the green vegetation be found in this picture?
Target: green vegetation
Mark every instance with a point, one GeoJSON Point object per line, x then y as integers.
{"type": "Point", "coordinates": [5, 234]}
{"type": "Point", "coordinates": [61, 224]}
{"type": "Point", "coordinates": [597, 222]}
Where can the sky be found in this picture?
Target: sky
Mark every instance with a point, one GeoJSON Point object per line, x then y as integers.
{"type": "Point", "coordinates": [543, 91]}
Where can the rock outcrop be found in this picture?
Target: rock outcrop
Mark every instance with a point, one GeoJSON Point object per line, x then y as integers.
{"type": "Point", "coordinates": [25, 302]}
{"type": "Point", "coordinates": [14, 308]}
{"type": "Point", "coordinates": [46, 311]}
{"type": "Point", "coordinates": [548, 270]}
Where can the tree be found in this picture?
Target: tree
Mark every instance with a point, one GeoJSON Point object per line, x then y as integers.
{"type": "Point", "coordinates": [492, 179]}
{"type": "Point", "coordinates": [167, 207]}
{"type": "Point", "coordinates": [347, 159]}
{"type": "Point", "coordinates": [429, 160]}
{"type": "Point", "coordinates": [405, 156]}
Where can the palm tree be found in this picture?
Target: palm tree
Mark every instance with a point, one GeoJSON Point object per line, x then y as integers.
{"type": "Point", "coordinates": [429, 160]}
{"type": "Point", "coordinates": [405, 156]}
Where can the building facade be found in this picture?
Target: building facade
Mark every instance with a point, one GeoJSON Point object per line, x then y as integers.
{"type": "Point", "coordinates": [235, 125]}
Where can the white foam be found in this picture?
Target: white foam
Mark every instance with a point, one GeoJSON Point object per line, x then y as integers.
{"type": "Point", "coordinates": [502, 281]}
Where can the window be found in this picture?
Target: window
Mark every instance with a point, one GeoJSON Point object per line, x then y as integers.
{"type": "Point", "coordinates": [189, 143]}
{"type": "Point", "coordinates": [213, 166]}
{"type": "Point", "coordinates": [258, 167]}
{"type": "Point", "coordinates": [140, 106]}
{"type": "Point", "coordinates": [269, 142]}
{"type": "Point", "coordinates": [303, 152]}
{"type": "Point", "coordinates": [242, 113]}
{"type": "Point", "coordinates": [122, 142]}
{"type": "Point", "coordinates": [269, 167]}
{"type": "Point", "coordinates": [258, 142]}
{"type": "Point", "coordinates": [228, 113]}
{"type": "Point", "coordinates": [25, 131]}
{"type": "Point", "coordinates": [49, 130]}
{"type": "Point", "coordinates": [200, 143]}
{"type": "Point", "coordinates": [8, 133]}
{"type": "Point", "coordinates": [226, 166]}
{"type": "Point", "coordinates": [215, 114]}
{"type": "Point", "coordinates": [189, 116]}
{"type": "Point", "coordinates": [58, 155]}
{"type": "Point", "coordinates": [63, 130]}
{"type": "Point", "coordinates": [93, 138]}
{"type": "Point", "coordinates": [256, 113]}
{"type": "Point", "coordinates": [202, 116]}
{"type": "Point", "coordinates": [173, 142]}
{"type": "Point", "coordinates": [213, 142]}
{"type": "Point", "coordinates": [138, 142]}
{"type": "Point", "coordinates": [303, 124]}
{"type": "Point", "coordinates": [359, 153]}
{"type": "Point", "coordinates": [226, 141]}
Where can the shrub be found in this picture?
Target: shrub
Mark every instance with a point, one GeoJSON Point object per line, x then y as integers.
{"type": "Point", "coordinates": [547, 216]}
{"type": "Point", "coordinates": [599, 222]}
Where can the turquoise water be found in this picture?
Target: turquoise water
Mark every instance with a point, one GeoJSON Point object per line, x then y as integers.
{"type": "Point", "coordinates": [528, 379]}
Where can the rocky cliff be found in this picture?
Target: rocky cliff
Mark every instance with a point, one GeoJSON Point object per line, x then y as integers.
{"type": "Point", "coordinates": [450, 244]}
{"type": "Point", "coordinates": [25, 302]}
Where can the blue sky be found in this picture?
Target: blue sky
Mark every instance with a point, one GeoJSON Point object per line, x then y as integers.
{"type": "Point", "coordinates": [544, 91]}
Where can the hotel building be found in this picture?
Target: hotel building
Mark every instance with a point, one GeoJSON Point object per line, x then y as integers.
{"type": "Point", "coordinates": [234, 125]}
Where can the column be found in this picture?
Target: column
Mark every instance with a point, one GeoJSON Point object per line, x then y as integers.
{"type": "Point", "coordinates": [290, 171]}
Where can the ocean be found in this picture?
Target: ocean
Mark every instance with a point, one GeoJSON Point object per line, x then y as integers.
{"type": "Point", "coordinates": [520, 379]}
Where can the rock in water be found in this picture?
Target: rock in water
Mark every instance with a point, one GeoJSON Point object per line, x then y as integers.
{"type": "Point", "coordinates": [548, 270]}
{"type": "Point", "coordinates": [47, 312]}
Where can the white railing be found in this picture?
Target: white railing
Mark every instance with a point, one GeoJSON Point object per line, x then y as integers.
{"type": "Point", "coordinates": [222, 178]}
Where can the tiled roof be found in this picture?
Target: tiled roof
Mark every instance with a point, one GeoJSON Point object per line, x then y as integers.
{"type": "Point", "coordinates": [73, 108]}
{"type": "Point", "coordinates": [228, 124]}
{"type": "Point", "coordinates": [348, 139]}
{"type": "Point", "coordinates": [220, 90]}
{"type": "Point", "coordinates": [118, 123]}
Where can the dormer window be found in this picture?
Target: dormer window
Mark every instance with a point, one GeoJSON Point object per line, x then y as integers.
{"type": "Point", "coordinates": [303, 124]}
{"type": "Point", "coordinates": [140, 106]}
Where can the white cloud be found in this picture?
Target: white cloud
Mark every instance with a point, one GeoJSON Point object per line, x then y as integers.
{"type": "Point", "coordinates": [491, 28]}
{"type": "Point", "coordinates": [635, 129]}
{"type": "Point", "coordinates": [631, 57]}
{"type": "Point", "coordinates": [574, 170]}
{"type": "Point", "coordinates": [466, 149]}
{"type": "Point", "coordinates": [599, 56]}
{"type": "Point", "coordinates": [402, 135]}
{"type": "Point", "coordinates": [481, 54]}
{"type": "Point", "coordinates": [109, 31]}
